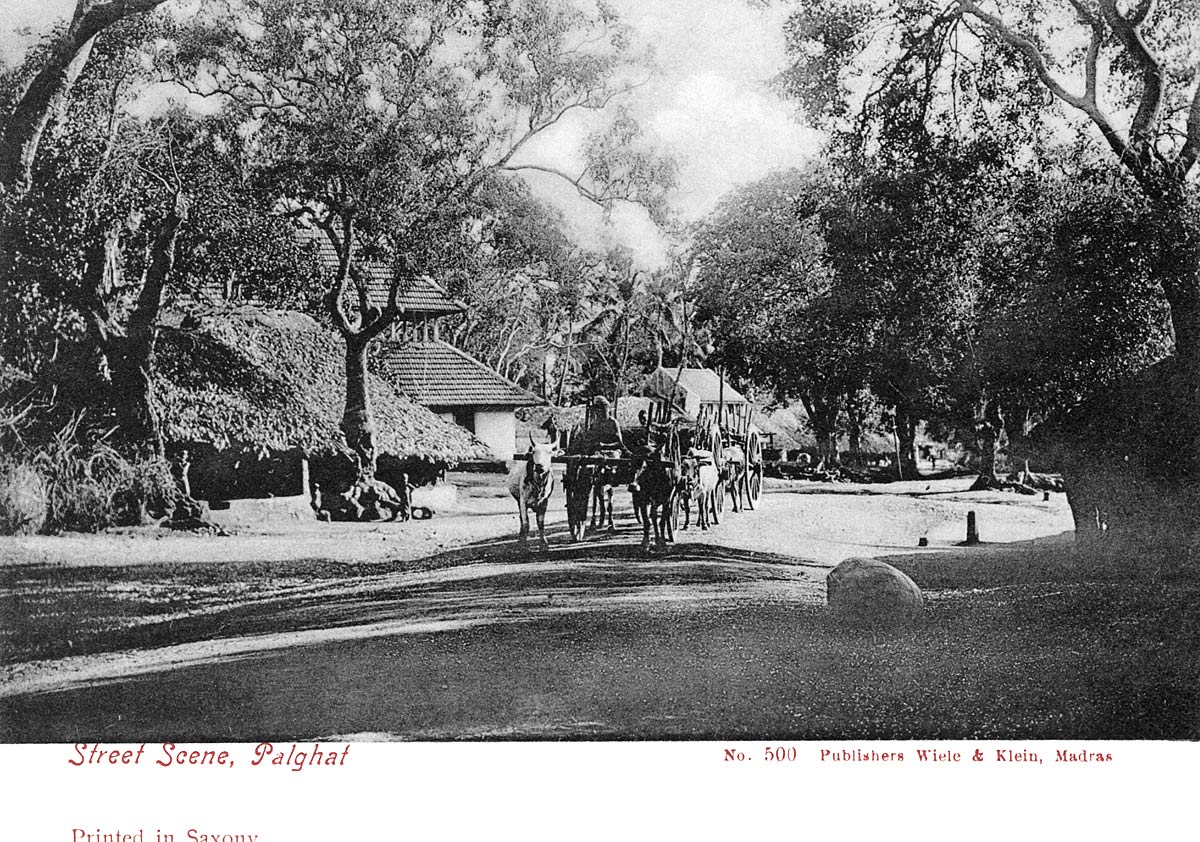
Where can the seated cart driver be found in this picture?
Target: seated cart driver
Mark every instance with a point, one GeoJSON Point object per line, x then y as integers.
{"type": "Point", "coordinates": [603, 431]}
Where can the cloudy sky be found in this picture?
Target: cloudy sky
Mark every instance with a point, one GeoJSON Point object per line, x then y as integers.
{"type": "Point", "coordinates": [710, 104]}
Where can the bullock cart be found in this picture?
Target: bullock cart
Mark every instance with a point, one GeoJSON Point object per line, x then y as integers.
{"type": "Point", "coordinates": [600, 457]}
{"type": "Point", "coordinates": [591, 478]}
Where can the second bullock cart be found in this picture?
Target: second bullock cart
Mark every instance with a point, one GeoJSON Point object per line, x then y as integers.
{"type": "Point", "coordinates": [712, 418]}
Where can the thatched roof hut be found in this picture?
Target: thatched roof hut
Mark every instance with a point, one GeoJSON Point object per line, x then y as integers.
{"type": "Point", "coordinates": [276, 380]}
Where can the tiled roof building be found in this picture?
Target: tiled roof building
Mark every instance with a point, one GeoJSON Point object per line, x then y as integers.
{"type": "Point", "coordinates": [697, 393]}
{"type": "Point", "coordinates": [455, 385]}
{"type": "Point", "coordinates": [437, 375]}
{"type": "Point", "coordinates": [421, 297]}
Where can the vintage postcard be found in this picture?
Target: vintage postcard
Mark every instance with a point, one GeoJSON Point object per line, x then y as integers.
{"type": "Point", "coordinates": [470, 413]}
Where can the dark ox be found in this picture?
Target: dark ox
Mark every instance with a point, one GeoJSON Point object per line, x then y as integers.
{"type": "Point", "coordinates": [588, 482]}
{"type": "Point", "coordinates": [655, 484]}
{"type": "Point", "coordinates": [577, 482]}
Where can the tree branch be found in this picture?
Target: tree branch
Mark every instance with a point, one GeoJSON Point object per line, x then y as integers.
{"type": "Point", "coordinates": [390, 312]}
{"type": "Point", "coordinates": [162, 259]}
{"type": "Point", "coordinates": [1191, 146]}
{"type": "Point", "coordinates": [901, 63]}
{"type": "Point", "coordinates": [1141, 130]}
{"type": "Point", "coordinates": [342, 245]}
{"type": "Point", "coordinates": [22, 131]}
{"type": "Point", "coordinates": [587, 192]}
{"type": "Point", "coordinates": [1088, 17]}
{"type": "Point", "coordinates": [94, 280]}
{"type": "Point", "coordinates": [258, 102]}
{"type": "Point", "coordinates": [588, 102]}
{"type": "Point", "coordinates": [1037, 63]}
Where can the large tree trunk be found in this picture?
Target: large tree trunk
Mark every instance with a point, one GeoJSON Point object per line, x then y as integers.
{"type": "Point", "coordinates": [1178, 267]}
{"type": "Point", "coordinates": [906, 435]}
{"type": "Point", "coordinates": [357, 425]}
{"type": "Point", "coordinates": [130, 362]}
{"type": "Point", "coordinates": [989, 423]}
{"type": "Point", "coordinates": [855, 419]}
{"type": "Point", "coordinates": [65, 60]}
{"type": "Point", "coordinates": [356, 419]}
{"type": "Point", "coordinates": [128, 350]}
{"type": "Point", "coordinates": [823, 416]}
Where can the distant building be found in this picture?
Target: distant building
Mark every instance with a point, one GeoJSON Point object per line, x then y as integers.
{"type": "Point", "coordinates": [696, 393]}
{"type": "Point", "coordinates": [421, 365]}
{"type": "Point", "coordinates": [458, 387]}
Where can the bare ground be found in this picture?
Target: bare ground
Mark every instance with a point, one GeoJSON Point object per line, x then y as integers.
{"type": "Point", "coordinates": [812, 521]}
{"type": "Point", "coordinates": [449, 629]}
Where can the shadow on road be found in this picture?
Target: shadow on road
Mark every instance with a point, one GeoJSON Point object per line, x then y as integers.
{"type": "Point", "coordinates": [52, 613]}
{"type": "Point", "coordinates": [598, 641]}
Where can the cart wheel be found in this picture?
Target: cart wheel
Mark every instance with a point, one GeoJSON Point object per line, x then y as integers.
{"type": "Point", "coordinates": [754, 469]}
{"type": "Point", "coordinates": [674, 454]}
{"type": "Point", "coordinates": [754, 481]}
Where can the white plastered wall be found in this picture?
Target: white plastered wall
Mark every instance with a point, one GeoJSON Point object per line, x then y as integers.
{"type": "Point", "coordinates": [498, 430]}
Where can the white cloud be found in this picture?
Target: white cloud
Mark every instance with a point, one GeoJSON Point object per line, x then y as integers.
{"type": "Point", "coordinates": [710, 104]}
{"type": "Point", "coordinates": [632, 227]}
{"type": "Point", "coordinates": [727, 132]}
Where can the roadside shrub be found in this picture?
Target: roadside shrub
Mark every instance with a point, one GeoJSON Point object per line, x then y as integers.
{"type": "Point", "coordinates": [94, 491]}
{"type": "Point", "coordinates": [91, 486]}
{"type": "Point", "coordinates": [22, 498]}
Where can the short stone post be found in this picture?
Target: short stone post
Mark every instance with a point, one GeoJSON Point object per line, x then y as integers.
{"type": "Point", "coordinates": [972, 530]}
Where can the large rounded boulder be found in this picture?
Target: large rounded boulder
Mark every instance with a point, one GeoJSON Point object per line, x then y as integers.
{"type": "Point", "coordinates": [867, 592]}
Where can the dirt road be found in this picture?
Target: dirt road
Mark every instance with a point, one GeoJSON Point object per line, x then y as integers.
{"type": "Point", "coordinates": [604, 643]}
{"type": "Point", "coordinates": [814, 522]}
{"type": "Point", "coordinates": [722, 635]}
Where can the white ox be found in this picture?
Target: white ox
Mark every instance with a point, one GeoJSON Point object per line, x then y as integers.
{"type": "Point", "coordinates": [700, 484]}
{"type": "Point", "coordinates": [531, 483]}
